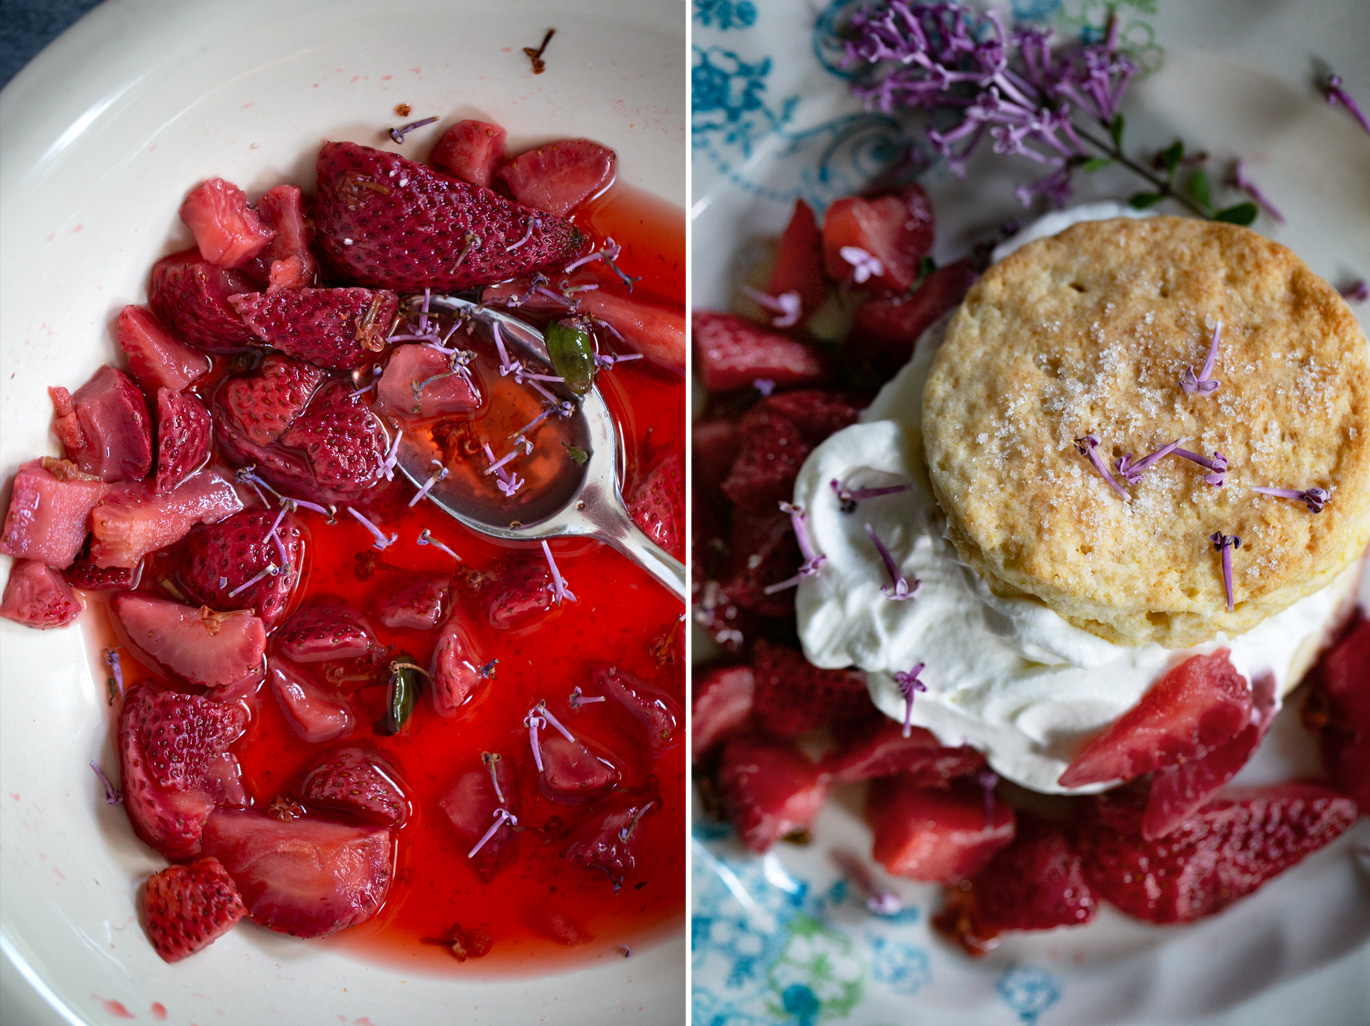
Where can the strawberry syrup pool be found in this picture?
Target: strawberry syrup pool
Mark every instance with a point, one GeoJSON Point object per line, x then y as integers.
{"type": "Point", "coordinates": [542, 911]}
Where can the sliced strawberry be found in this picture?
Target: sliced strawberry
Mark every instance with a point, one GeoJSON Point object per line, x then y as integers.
{"type": "Point", "coordinates": [308, 877]}
{"type": "Point", "coordinates": [38, 596]}
{"type": "Point", "coordinates": [799, 261]}
{"type": "Point", "coordinates": [359, 782]}
{"type": "Point", "coordinates": [1226, 850]}
{"type": "Point", "coordinates": [733, 353]}
{"type": "Point", "coordinates": [720, 705]}
{"type": "Point", "coordinates": [471, 150]}
{"type": "Point", "coordinates": [888, 325]}
{"type": "Point", "coordinates": [792, 695]}
{"type": "Point", "coordinates": [715, 444]}
{"type": "Point", "coordinates": [611, 840]}
{"type": "Point", "coordinates": [215, 563]}
{"type": "Point", "coordinates": [769, 789]}
{"type": "Point", "coordinates": [286, 262]}
{"type": "Point", "coordinates": [132, 520]}
{"type": "Point", "coordinates": [339, 449]}
{"type": "Point", "coordinates": [87, 576]}
{"type": "Point", "coordinates": [572, 774]}
{"type": "Point", "coordinates": [773, 449]}
{"type": "Point", "coordinates": [521, 598]}
{"type": "Point", "coordinates": [942, 835]}
{"type": "Point", "coordinates": [187, 908]}
{"type": "Point", "coordinates": [49, 513]}
{"type": "Point", "coordinates": [656, 712]}
{"type": "Point", "coordinates": [471, 803]}
{"type": "Point", "coordinates": [817, 412]}
{"type": "Point", "coordinates": [1196, 706]}
{"type": "Point", "coordinates": [183, 433]}
{"type": "Point", "coordinates": [228, 233]}
{"type": "Point", "coordinates": [418, 605]}
{"type": "Point", "coordinates": [657, 505]}
{"type": "Point", "coordinates": [561, 175]}
{"type": "Point", "coordinates": [325, 632]}
{"type": "Point", "coordinates": [895, 228]}
{"type": "Point", "coordinates": [459, 670]}
{"type": "Point", "coordinates": [167, 744]}
{"type": "Point", "coordinates": [387, 222]}
{"type": "Point", "coordinates": [314, 714]}
{"type": "Point", "coordinates": [260, 405]}
{"type": "Point", "coordinates": [657, 332]}
{"type": "Point", "coordinates": [105, 427]}
{"type": "Point", "coordinates": [419, 383]}
{"type": "Point", "coordinates": [880, 749]}
{"type": "Point", "coordinates": [198, 645]}
{"type": "Point", "coordinates": [156, 358]}
{"type": "Point", "coordinates": [335, 328]}
{"type": "Point", "coordinates": [730, 626]}
{"type": "Point", "coordinates": [1340, 705]}
{"type": "Point", "coordinates": [762, 551]}
{"type": "Point", "coordinates": [190, 296]}
{"type": "Point", "coordinates": [1036, 883]}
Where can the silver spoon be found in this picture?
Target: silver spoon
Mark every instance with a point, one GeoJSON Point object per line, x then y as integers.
{"type": "Point", "coordinates": [584, 500]}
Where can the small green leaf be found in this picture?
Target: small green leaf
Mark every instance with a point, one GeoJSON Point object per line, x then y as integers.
{"type": "Point", "coordinates": [403, 684]}
{"type": "Point", "coordinates": [1198, 188]}
{"type": "Point", "coordinates": [1172, 155]}
{"type": "Point", "coordinates": [1142, 200]}
{"type": "Point", "coordinates": [1115, 129]}
{"type": "Point", "coordinates": [1096, 164]}
{"type": "Point", "coordinates": [572, 353]}
{"type": "Point", "coordinates": [1240, 213]}
{"type": "Point", "coordinates": [925, 267]}
{"type": "Point", "coordinates": [579, 455]}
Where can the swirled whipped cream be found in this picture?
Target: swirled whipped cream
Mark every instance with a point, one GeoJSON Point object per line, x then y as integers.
{"type": "Point", "coordinates": [1005, 675]}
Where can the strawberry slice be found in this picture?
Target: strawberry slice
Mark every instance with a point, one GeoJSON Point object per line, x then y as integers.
{"type": "Point", "coordinates": [888, 325]}
{"type": "Point", "coordinates": [657, 505]}
{"type": "Point", "coordinates": [471, 150]}
{"type": "Point", "coordinates": [561, 175]}
{"type": "Point", "coordinates": [419, 383]}
{"type": "Point", "coordinates": [199, 645]}
{"type": "Point", "coordinates": [762, 551]}
{"type": "Point", "coordinates": [49, 512]}
{"type": "Point", "coordinates": [1340, 706]}
{"type": "Point", "coordinates": [418, 605]}
{"type": "Point", "coordinates": [720, 705]}
{"type": "Point", "coordinates": [215, 563]}
{"type": "Point", "coordinates": [817, 412]}
{"type": "Point", "coordinates": [156, 358]}
{"type": "Point", "coordinates": [260, 405]}
{"type": "Point", "coordinates": [308, 877]}
{"type": "Point", "coordinates": [326, 632]}
{"type": "Point", "coordinates": [339, 449]}
{"type": "Point", "coordinates": [183, 433]}
{"type": "Point", "coordinates": [792, 695]}
{"type": "Point", "coordinates": [188, 908]}
{"type": "Point", "coordinates": [228, 233]}
{"type": "Point", "coordinates": [1036, 883]}
{"type": "Point", "coordinates": [359, 782]}
{"type": "Point", "coordinates": [895, 228]}
{"type": "Point", "coordinates": [312, 713]}
{"type": "Point", "coordinates": [104, 427]}
{"type": "Point", "coordinates": [733, 353]}
{"type": "Point", "coordinates": [190, 296]}
{"type": "Point", "coordinates": [168, 743]}
{"type": "Point", "coordinates": [521, 597]}
{"type": "Point", "coordinates": [38, 596]}
{"type": "Point", "coordinates": [132, 520]}
{"type": "Point", "coordinates": [715, 445]}
{"type": "Point", "coordinates": [656, 713]}
{"type": "Point", "coordinates": [943, 835]}
{"type": "Point", "coordinates": [799, 261]}
{"type": "Point", "coordinates": [763, 474]}
{"type": "Point", "coordinates": [87, 576]}
{"type": "Point", "coordinates": [1228, 849]}
{"type": "Point", "coordinates": [1196, 706]}
{"type": "Point", "coordinates": [387, 222]}
{"type": "Point", "coordinates": [768, 789]}
{"type": "Point", "coordinates": [471, 803]}
{"type": "Point", "coordinates": [657, 332]}
{"type": "Point", "coordinates": [335, 328]}
{"type": "Point", "coordinates": [572, 774]}
{"type": "Point", "coordinates": [286, 263]}
{"type": "Point", "coordinates": [459, 670]}
{"type": "Point", "coordinates": [880, 749]}
{"type": "Point", "coordinates": [610, 841]}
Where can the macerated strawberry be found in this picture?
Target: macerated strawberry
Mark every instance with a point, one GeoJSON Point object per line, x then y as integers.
{"type": "Point", "coordinates": [762, 551]}
{"type": "Point", "coordinates": [471, 150]}
{"type": "Point", "coordinates": [307, 877]}
{"type": "Point", "coordinates": [336, 449]}
{"type": "Point", "coordinates": [36, 595]}
{"type": "Point", "coordinates": [560, 176]}
{"type": "Point", "coordinates": [49, 512]}
{"type": "Point", "coordinates": [419, 383]}
{"type": "Point", "coordinates": [733, 353]}
{"type": "Point", "coordinates": [720, 705]}
{"type": "Point", "coordinates": [197, 644]}
{"type": "Point", "coordinates": [104, 426]}
{"type": "Point", "coordinates": [459, 670]}
{"type": "Point", "coordinates": [183, 434]}
{"type": "Point", "coordinates": [572, 773]}
{"type": "Point", "coordinates": [792, 695]}
{"type": "Point", "coordinates": [1340, 704]}
{"type": "Point", "coordinates": [874, 749]}
{"type": "Point", "coordinates": [417, 605]}
{"type": "Point", "coordinates": [87, 576]}
{"type": "Point", "coordinates": [156, 358]}
{"type": "Point", "coordinates": [888, 325]}
{"type": "Point", "coordinates": [190, 296]}
{"type": "Point", "coordinates": [656, 712]}
{"type": "Point", "coordinates": [657, 505]}
{"type": "Point", "coordinates": [1226, 850]}
{"type": "Point", "coordinates": [610, 841]}
{"type": "Point", "coordinates": [895, 229]}
{"type": "Point", "coordinates": [473, 805]}
{"type": "Point", "coordinates": [286, 263]}
{"type": "Point", "coordinates": [133, 520]}
{"type": "Point", "coordinates": [714, 448]}
{"type": "Point", "coordinates": [187, 908]}
{"type": "Point", "coordinates": [763, 474]}
{"type": "Point", "coordinates": [335, 328]}
{"type": "Point", "coordinates": [657, 332]}
{"type": "Point", "coordinates": [1197, 705]}
{"type": "Point", "coordinates": [313, 713]}
{"type": "Point", "coordinates": [799, 261]}
{"type": "Point", "coordinates": [817, 412]}
{"type": "Point", "coordinates": [1035, 883]}
{"type": "Point", "coordinates": [325, 632]}
{"type": "Point", "coordinates": [387, 222]}
{"type": "Point", "coordinates": [939, 835]}
{"type": "Point", "coordinates": [729, 625]}
{"type": "Point", "coordinates": [768, 789]}
{"type": "Point", "coordinates": [356, 781]}
{"type": "Point", "coordinates": [224, 565]}
{"type": "Point", "coordinates": [228, 233]}
{"type": "Point", "coordinates": [261, 404]}
{"type": "Point", "coordinates": [521, 597]}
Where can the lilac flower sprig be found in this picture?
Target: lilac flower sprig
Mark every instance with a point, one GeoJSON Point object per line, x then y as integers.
{"type": "Point", "coordinates": [1314, 498]}
{"type": "Point", "coordinates": [899, 589]}
{"type": "Point", "coordinates": [813, 560]}
{"type": "Point", "coordinates": [847, 498]}
{"type": "Point", "coordinates": [1225, 543]}
{"type": "Point", "coordinates": [1086, 447]}
{"type": "Point", "coordinates": [1337, 96]}
{"type": "Point", "coordinates": [1204, 383]}
{"type": "Point", "coordinates": [909, 684]}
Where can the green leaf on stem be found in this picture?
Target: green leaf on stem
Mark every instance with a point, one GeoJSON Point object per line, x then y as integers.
{"type": "Point", "coordinates": [1199, 189]}
{"type": "Point", "coordinates": [1240, 213]}
{"type": "Point", "coordinates": [1096, 164]}
{"type": "Point", "coordinates": [1115, 129]}
{"type": "Point", "coordinates": [1142, 200]}
{"type": "Point", "coordinates": [1172, 155]}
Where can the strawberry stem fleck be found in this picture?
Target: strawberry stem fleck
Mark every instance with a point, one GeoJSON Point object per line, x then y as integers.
{"type": "Point", "coordinates": [908, 685]}
{"type": "Point", "coordinates": [898, 590]}
{"type": "Point", "coordinates": [1225, 544]}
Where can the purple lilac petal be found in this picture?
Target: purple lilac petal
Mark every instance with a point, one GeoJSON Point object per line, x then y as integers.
{"type": "Point", "coordinates": [1086, 447]}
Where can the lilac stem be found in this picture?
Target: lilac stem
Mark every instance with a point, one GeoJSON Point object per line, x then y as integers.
{"type": "Point", "coordinates": [1132, 472]}
{"type": "Point", "coordinates": [847, 498]}
{"type": "Point", "coordinates": [426, 538]}
{"type": "Point", "coordinates": [542, 710]}
{"type": "Point", "coordinates": [786, 306]}
{"type": "Point", "coordinates": [1204, 383]}
{"type": "Point", "coordinates": [381, 542]}
{"type": "Point", "coordinates": [113, 796]}
{"type": "Point", "coordinates": [1217, 465]}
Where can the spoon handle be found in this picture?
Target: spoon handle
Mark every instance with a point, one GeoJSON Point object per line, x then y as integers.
{"type": "Point", "coordinates": [613, 526]}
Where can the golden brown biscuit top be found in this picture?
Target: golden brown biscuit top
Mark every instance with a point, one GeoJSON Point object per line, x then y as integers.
{"type": "Point", "coordinates": [1088, 333]}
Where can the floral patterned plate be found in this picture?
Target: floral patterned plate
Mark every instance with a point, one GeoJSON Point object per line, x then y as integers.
{"type": "Point", "coordinates": [787, 938]}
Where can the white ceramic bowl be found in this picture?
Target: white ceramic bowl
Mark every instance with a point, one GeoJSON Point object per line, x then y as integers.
{"type": "Point", "coordinates": [99, 140]}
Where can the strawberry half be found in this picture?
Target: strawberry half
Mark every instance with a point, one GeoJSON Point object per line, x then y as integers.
{"type": "Point", "coordinates": [314, 714]}
{"type": "Point", "coordinates": [190, 296]}
{"type": "Point", "coordinates": [459, 671]}
{"type": "Point", "coordinates": [201, 646]}
{"type": "Point", "coordinates": [261, 404]}
{"type": "Point", "coordinates": [155, 357]}
{"type": "Point", "coordinates": [228, 233]}
{"type": "Point", "coordinates": [104, 427]}
{"type": "Point", "coordinates": [216, 561]}
{"type": "Point", "coordinates": [286, 263]}
{"type": "Point", "coordinates": [888, 326]}
{"type": "Point", "coordinates": [387, 222]}
{"type": "Point", "coordinates": [657, 505]}
{"type": "Point", "coordinates": [880, 749]}
{"type": "Point", "coordinates": [187, 908]}
{"type": "Point", "coordinates": [573, 774]}
{"type": "Point", "coordinates": [49, 512]}
{"type": "Point", "coordinates": [655, 712]}
{"type": "Point", "coordinates": [733, 353]}
{"type": "Point", "coordinates": [183, 433]}
{"type": "Point", "coordinates": [326, 632]}
{"type": "Point", "coordinates": [792, 695]}
{"type": "Point", "coordinates": [1340, 705]}
{"type": "Point", "coordinates": [36, 595]}
{"type": "Point", "coordinates": [768, 789]}
{"type": "Point", "coordinates": [471, 803]}
{"type": "Point", "coordinates": [359, 782]}
{"type": "Point", "coordinates": [417, 605]}
{"type": "Point", "coordinates": [936, 835]}
{"type": "Point", "coordinates": [561, 175]}
{"type": "Point", "coordinates": [335, 328]}
{"type": "Point", "coordinates": [610, 841]}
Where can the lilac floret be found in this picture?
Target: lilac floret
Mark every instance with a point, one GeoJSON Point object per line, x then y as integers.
{"type": "Point", "coordinates": [1356, 292]}
{"type": "Point", "coordinates": [1225, 544]}
{"type": "Point", "coordinates": [1238, 180]}
{"type": "Point", "coordinates": [381, 542]}
{"type": "Point", "coordinates": [1132, 472]}
{"type": "Point", "coordinates": [1338, 96]}
{"type": "Point", "coordinates": [785, 307]}
{"type": "Point", "coordinates": [113, 796]}
{"type": "Point", "coordinates": [1314, 498]}
{"type": "Point", "coordinates": [1087, 447]}
{"type": "Point", "coordinates": [909, 684]}
{"type": "Point", "coordinates": [847, 498]}
{"type": "Point", "coordinates": [813, 560]}
{"type": "Point", "coordinates": [559, 589]}
{"type": "Point", "coordinates": [1216, 467]}
{"type": "Point", "coordinates": [899, 589]}
{"type": "Point", "coordinates": [1203, 383]}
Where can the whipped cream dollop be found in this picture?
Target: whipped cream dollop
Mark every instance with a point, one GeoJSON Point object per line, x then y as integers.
{"type": "Point", "coordinates": [1005, 675]}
